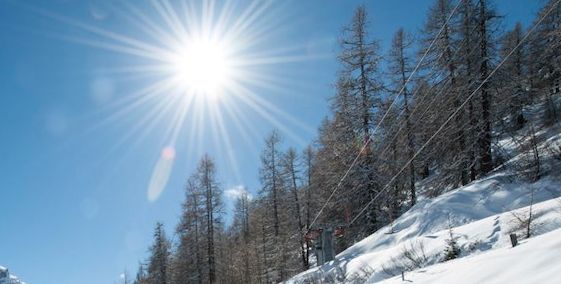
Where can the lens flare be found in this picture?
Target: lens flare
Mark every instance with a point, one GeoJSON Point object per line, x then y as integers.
{"type": "Point", "coordinates": [161, 174]}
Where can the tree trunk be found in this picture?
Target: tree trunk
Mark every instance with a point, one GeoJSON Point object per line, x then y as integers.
{"type": "Point", "coordinates": [486, 158]}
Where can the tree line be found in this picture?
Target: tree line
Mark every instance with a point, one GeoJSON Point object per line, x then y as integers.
{"type": "Point", "coordinates": [432, 106]}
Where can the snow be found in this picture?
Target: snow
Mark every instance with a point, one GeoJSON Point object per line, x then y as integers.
{"type": "Point", "coordinates": [6, 278]}
{"type": "Point", "coordinates": [533, 261]}
{"type": "Point", "coordinates": [481, 214]}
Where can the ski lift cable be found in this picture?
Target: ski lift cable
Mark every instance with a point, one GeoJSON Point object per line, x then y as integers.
{"type": "Point", "coordinates": [386, 113]}
{"type": "Point", "coordinates": [415, 108]}
{"type": "Point", "coordinates": [456, 111]}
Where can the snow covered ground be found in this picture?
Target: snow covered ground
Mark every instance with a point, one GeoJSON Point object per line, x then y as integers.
{"type": "Point", "coordinates": [6, 278]}
{"type": "Point", "coordinates": [533, 261]}
{"type": "Point", "coordinates": [481, 215]}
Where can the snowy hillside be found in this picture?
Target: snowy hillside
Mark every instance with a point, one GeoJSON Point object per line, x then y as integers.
{"type": "Point", "coordinates": [481, 214]}
{"type": "Point", "coordinates": [479, 217]}
{"type": "Point", "coordinates": [534, 261]}
{"type": "Point", "coordinates": [6, 278]}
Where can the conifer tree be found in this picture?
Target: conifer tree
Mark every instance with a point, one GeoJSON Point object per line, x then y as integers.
{"type": "Point", "coordinates": [484, 17]}
{"type": "Point", "coordinates": [400, 69]}
{"type": "Point", "coordinates": [158, 264]}
{"type": "Point", "coordinates": [212, 213]}
{"type": "Point", "coordinates": [514, 95]}
{"type": "Point", "coordinates": [360, 59]}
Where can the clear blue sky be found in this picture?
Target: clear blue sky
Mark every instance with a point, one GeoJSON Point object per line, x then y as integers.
{"type": "Point", "coordinates": [74, 175]}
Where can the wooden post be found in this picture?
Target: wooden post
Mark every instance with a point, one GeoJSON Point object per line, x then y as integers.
{"type": "Point", "coordinates": [513, 240]}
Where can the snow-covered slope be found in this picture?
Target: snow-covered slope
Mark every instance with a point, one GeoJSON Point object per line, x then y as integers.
{"type": "Point", "coordinates": [481, 214]}
{"type": "Point", "coordinates": [534, 261]}
{"type": "Point", "coordinates": [6, 278]}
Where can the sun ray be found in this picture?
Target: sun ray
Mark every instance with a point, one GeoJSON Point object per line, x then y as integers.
{"type": "Point", "coordinates": [199, 116]}
{"type": "Point", "coordinates": [192, 127]}
{"type": "Point", "coordinates": [142, 48]}
{"type": "Point", "coordinates": [142, 127]}
{"type": "Point", "coordinates": [130, 104]}
{"type": "Point", "coordinates": [226, 139]}
{"type": "Point", "coordinates": [197, 69]}
{"type": "Point", "coordinates": [248, 18]}
{"type": "Point", "coordinates": [207, 16]}
{"type": "Point", "coordinates": [243, 94]}
{"type": "Point", "coordinates": [256, 102]}
{"type": "Point", "coordinates": [149, 26]}
{"type": "Point", "coordinates": [249, 135]}
{"type": "Point", "coordinates": [269, 60]}
{"type": "Point", "coordinates": [169, 18]}
{"type": "Point", "coordinates": [214, 130]}
{"type": "Point", "coordinates": [180, 121]}
{"type": "Point", "coordinates": [115, 46]}
{"type": "Point", "coordinates": [224, 18]}
{"type": "Point", "coordinates": [150, 119]}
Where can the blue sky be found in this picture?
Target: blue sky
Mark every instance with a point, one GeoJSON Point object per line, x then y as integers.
{"type": "Point", "coordinates": [74, 174]}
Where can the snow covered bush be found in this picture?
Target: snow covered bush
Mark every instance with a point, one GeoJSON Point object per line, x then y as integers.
{"type": "Point", "coordinates": [413, 256]}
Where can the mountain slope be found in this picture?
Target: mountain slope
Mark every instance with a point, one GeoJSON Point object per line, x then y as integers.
{"type": "Point", "coordinates": [533, 261]}
{"type": "Point", "coordinates": [481, 216]}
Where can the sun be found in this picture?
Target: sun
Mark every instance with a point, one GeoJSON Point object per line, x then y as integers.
{"type": "Point", "coordinates": [199, 72]}
{"type": "Point", "coordinates": [202, 67]}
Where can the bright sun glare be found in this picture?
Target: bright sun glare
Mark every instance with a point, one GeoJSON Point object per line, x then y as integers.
{"type": "Point", "coordinates": [202, 68]}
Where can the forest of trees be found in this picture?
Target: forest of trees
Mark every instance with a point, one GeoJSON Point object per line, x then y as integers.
{"type": "Point", "coordinates": [432, 106]}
